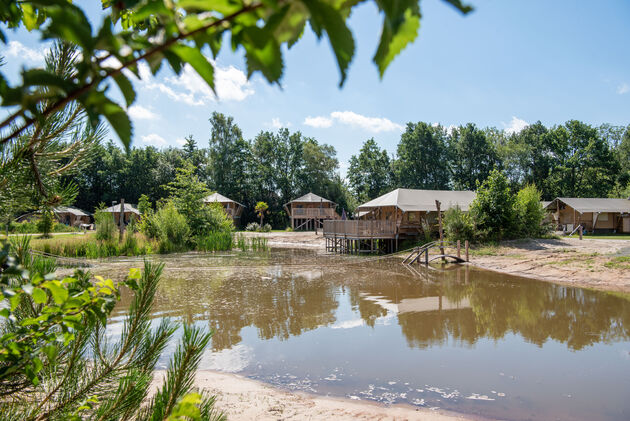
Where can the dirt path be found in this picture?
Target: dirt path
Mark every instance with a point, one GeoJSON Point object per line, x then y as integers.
{"type": "Point", "coordinates": [244, 399]}
{"type": "Point", "coordinates": [591, 263]}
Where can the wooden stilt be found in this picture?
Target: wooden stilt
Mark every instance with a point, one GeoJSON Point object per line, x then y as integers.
{"type": "Point", "coordinates": [466, 245]}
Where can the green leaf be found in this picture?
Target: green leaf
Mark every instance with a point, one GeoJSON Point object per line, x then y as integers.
{"type": "Point", "coordinates": [29, 17]}
{"type": "Point", "coordinates": [5, 313]}
{"type": "Point", "coordinates": [263, 53]}
{"type": "Point", "coordinates": [198, 62]}
{"type": "Point", "coordinates": [392, 43]}
{"type": "Point", "coordinates": [59, 293]}
{"type": "Point", "coordinates": [39, 296]}
{"type": "Point", "coordinates": [126, 88]}
{"type": "Point", "coordinates": [323, 16]}
{"type": "Point", "coordinates": [464, 8]}
{"type": "Point", "coordinates": [69, 23]}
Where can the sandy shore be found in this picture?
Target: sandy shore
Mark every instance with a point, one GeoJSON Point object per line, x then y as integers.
{"type": "Point", "coordinates": [590, 263]}
{"type": "Point", "coordinates": [293, 239]}
{"type": "Point", "coordinates": [245, 399]}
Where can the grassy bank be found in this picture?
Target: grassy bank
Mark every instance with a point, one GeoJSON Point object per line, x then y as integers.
{"type": "Point", "coordinates": [138, 245]}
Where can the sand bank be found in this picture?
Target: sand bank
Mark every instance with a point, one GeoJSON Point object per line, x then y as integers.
{"type": "Point", "coordinates": [591, 263]}
{"type": "Point", "coordinates": [245, 399]}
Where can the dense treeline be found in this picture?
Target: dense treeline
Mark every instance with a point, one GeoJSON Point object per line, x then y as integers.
{"type": "Point", "coordinates": [570, 160]}
{"type": "Point", "coordinates": [574, 159]}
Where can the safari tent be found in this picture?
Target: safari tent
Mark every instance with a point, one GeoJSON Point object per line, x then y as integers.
{"type": "Point", "coordinates": [396, 215]}
{"type": "Point", "coordinates": [128, 211]}
{"type": "Point", "coordinates": [231, 207]}
{"type": "Point", "coordinates": [310, 211]}
{"type": "Point", "coordinates": [593, 214]}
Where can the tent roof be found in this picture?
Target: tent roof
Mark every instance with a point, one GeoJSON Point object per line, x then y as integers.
{"type": "Point", "coordinates": [70, 209]}
{"type": "Point", "coordinates": [545, 203]}
{"type": "Point", "coordinates": [412, 200]}
{"type": "Point", "coordinates": [218, 197]}
{"type": "Point", "coordinates": [127, 208]}
{"type": "Point", "coordinates": [583, 205]}
{"type": "Point", "coordinates": [310, 198]}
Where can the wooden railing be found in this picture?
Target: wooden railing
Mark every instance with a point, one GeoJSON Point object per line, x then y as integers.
{"type": "Point", "coordinates": [360, 229]}
{"type": "Point", "coordinates": [313, 213]}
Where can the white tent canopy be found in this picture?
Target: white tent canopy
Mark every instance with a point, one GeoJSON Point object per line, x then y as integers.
{"type": "Point", "coordinates": [218, 197]}
{"type": "Point", "coordinates": [598, 205]}
{"type": "Point", "coordinates": [412, 200]}
{"type": "Point", "coordinates": [310, 198]}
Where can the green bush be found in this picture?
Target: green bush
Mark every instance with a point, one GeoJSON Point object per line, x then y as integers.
{"type": "Point", "coordinates": [105, 225]}
{"type": "Point", "coordinates": [172, 227]}
{"type": "Point", "coordinates": [45, 224]}
{"type": "Point", "coordinates": [529, 212]}
{"type": "Point", "coordinates": [266, 228]}
{"type": "Point", "coordinates": [458, 225]}
{"type": "Point", "coordinates": [253, 226]}
{"type": "Point", "coordinates": [493, 209]}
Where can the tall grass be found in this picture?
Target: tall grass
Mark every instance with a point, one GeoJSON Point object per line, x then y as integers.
{"type": "Point", "coordinates": [251, 243]}
{"type": "Point", "coordinates": [215, 241]}
{"type": "Point", "coordinates": [90, 247]}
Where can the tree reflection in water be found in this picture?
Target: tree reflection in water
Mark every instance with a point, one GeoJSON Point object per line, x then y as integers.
{"type": "Point", "coordinates": [461, 304]}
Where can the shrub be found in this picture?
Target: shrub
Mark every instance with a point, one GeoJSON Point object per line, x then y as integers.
{"type": "Point", "coordinates": [253, 226]}
{"type": "Point", "coordinates": [105, 225]}
{"type": "Point", "coordinates": [458, 225]}
{"type": "Point", "coordinates": [492, 210]}
{"type": "Point", "coordinates": [266, 228]}
{"type": "Point", "coordinates": [212, 218]}
{"type": "Point", "coordinates": [45, 224]}
{"type": "Point", "coordinates": [529, 212]}
{"type": "Point", "coordinates": [172, 227]}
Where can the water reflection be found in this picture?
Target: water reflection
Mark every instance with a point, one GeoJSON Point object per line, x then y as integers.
{"type": "Point", "coordinates": [463, 304]}
{"type": "Point", "coordinates": [458, 338]}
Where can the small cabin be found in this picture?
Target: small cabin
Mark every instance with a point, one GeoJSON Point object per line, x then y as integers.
{"type": "Point", "coordinates": [128, 212]}
{"type": "Point", "coordinates": [232, 208]}
{"type": "Point", "coordinates": [67, 215]}
{"type": "Point", "coordinates": [309, 212]}
{"type": "Point", "coordinates": [593, 214]}
{"type": "Point", "coordinates": [71, 216]}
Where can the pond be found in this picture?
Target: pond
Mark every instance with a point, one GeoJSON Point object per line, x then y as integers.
{"type": "Point", "coordinates": [459, 339]}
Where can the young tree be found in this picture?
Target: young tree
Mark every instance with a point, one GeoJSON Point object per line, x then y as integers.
{"type": "Point", "coordinates": [422, 161]}
{"type": "Point", "coordinates": [261, 209]}
{"type": "Point", "coordinates": [493, 209]}
{"type": "Point", "coordinates": [187, 193]}
{"type": "Point", "coordinates": [369, 174]}
{"type": "Point", "coordinates": [46, 222]}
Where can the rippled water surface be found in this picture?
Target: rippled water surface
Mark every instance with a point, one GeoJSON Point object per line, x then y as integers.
{"type": "Point", "coordinates": [459, 339]}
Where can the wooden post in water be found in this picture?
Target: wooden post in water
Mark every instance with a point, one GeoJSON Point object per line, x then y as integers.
{"type": "Point", "coordinates": [459, 250]}
{"type": "Point", "coordinates": [466, 246]}
{"type": "Point", "coordinates": [580, 229]}
{"type": "Point", "coordinates": [121, 220]}
{"type": "Point", "coordinates": [437, 205]}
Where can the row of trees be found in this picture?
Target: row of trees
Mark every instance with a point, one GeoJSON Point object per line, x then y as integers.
{"type": "Point", "coordinates": [574, 159]}
{"type": "Point", "coordinates": [272, 167]}
{"type": "Point", "coordinates": [570, 160]}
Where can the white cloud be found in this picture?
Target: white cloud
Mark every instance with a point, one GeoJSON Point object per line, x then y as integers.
{"type": "Point", "coordinates": [318, 122]}
{"type": "Point", "coordinates": [277, 124]}
{"type": "Point", "coordinates": [19, 50]}
{"type": "Point", "coordinates": [140, 113]}
{"type": "Point", "coordinates": [515, 126]}
{"type": "Point", "coordinates": [230, 83]}
{"type": "Point", "coordinates": [180, 141]}
{"type": "Point", "coordinates": [350, 118]}
{"type": "Point", "coordinates": [624, 88]}
{"type": "Point", "coordinates": [371, 124]}
{"type": "Point", "coordinates": [154, 139]}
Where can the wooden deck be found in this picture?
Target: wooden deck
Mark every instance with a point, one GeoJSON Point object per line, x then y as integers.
{"type": "Point", "coordinates": [360, 229]}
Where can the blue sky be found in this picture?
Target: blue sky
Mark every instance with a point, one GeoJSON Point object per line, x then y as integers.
{"type": "Point", "coordinates": [507, 64]}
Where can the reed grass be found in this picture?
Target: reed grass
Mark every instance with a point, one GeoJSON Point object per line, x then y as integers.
{"type": "Point", "coordinates": [215, 241]}
{"type": "Point", "coordinates": [90, 247]}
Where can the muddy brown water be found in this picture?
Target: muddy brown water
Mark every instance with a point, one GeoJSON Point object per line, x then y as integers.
{"type": "Point", "coordinates": [460, 339]}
